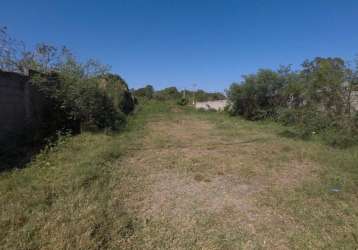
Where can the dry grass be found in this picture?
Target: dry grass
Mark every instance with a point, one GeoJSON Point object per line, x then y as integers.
{"type": "Point", "coordinates": [190, 173]}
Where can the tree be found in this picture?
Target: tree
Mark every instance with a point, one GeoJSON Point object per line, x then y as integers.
{"type": "Point", "coordinates": [170, 93]}
{"type": "Point", "coordinates": [326, 82]}
{"type": "Point", "coordinates": [258, 95]}
{"type": "Point", "coordinates": [11, 51]}
{"type": "Point", "coordinates": [147, 92]}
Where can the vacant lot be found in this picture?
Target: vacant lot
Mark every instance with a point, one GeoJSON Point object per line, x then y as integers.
{"type": "Point", "coordinates": [180, 179]}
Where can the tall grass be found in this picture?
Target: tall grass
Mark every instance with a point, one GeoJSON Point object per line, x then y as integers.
{"type": "Point", "coordinates": [62, 199]}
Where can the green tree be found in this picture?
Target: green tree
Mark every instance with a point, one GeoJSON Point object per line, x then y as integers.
{"type": "Point", "coordinates": [147, 92]}
{"type": "Point", "coordinates": [325, 80]}
{"type": "Point", "coordinates": [170, 93]}
{"type": "Point", "coordinates": [258, 95]}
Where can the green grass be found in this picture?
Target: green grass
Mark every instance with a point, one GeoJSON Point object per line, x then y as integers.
{"type": "Point", "coordinates": [329, 219]}
{"type": "Point", "coordinates": [89, 191]}
{"type": "Point", "coordinates": [62, 199]}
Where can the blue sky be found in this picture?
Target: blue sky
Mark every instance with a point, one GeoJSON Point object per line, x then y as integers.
{"type": "Point", "coordinates": [209, 43]}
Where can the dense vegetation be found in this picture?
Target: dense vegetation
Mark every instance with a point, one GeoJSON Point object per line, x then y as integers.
{"type": "Point", "coordinates": [182, 97]}
{"type": "Point", "coordinates": [315, 99]}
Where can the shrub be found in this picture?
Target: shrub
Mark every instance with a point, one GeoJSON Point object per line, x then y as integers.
{"type": "Point", "coordinates": [288, 116]}
{"type": "Point", "coordinates": [308, 121]}
{"type": "Point", "coordinates": [339, 138]}
{"type": "Point", "coordinates": [166, 94]}
{"type": "Point", "coordinates": [203, 96]}
{"type": "Point", "coordinates": [182, 101]}
{"type": "Point", "coordinates": [146, 92]}
{"type": "Point", "coordinates": [117, 89]}
{"type": "Point", "coordinates": [314, 100]}
{"type": "Point", "coordinates": [90, 100]}
{"type": "Point", "coordinates": [258, 96]}
{"type": "Point", "coordinates": [355, 120]}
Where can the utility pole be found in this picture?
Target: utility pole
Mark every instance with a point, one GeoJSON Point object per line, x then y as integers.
{"type": "Point", "coordinates": [194, 91]}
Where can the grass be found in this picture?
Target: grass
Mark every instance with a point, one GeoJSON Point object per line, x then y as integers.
{"type": "Point", "coordinates": [62, 199]}
{"type": "Point", "coordinates": [176, 178]}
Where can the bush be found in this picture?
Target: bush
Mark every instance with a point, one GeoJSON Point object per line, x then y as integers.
{"type": "Point", "coordinates": [310, 120]}
{"type": "Point", "coordinates": [96, 102]}
{"type": "Point", "coordinates": [307, 121]}
{"type": "Point", "coordinates": [355, 120]}
{"type": "Point", "coordinates": [166, 94]}
{"type": "Point", "coordinates": [258, 96]}
{"type": "Point", "coordinates": [203, 96]}
{"type": "Point", "coordinates": [117, 89]}
{"type": "Point", "coordinates": [97, 110]}
{"type": "Point", "coordinates": [146, 92]}
{"type": "Point", "coordinates": [314, 100]}
{"type": "Point", "coordinates": [183, 102]}
{"type": "Point", "coordinates": [339, 138]}
{"type": "Point", "coordinates": [288, 116]}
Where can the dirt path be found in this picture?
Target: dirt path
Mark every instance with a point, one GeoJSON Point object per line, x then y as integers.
{"type": "Point", "coordinates": [196, 186]}
{"type": "Point", "coordinates": [175, 178]}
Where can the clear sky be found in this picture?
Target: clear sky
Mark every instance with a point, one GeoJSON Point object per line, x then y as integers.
{"type": "Point", "coordinates": [209, 43]}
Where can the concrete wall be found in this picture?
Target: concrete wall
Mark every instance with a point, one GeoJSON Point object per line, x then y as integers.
{"type": "Point", "coordinates": [22, 108]}
{"type": "Point", "coordinates": [354, 101]}
{"type": "Point", "coordinates": [220, 105]}
{"type": "Point", "coordinates": [215, 105]}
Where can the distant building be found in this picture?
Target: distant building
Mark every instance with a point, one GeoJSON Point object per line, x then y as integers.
{"type": "Point", "coordinates": [214, 105]}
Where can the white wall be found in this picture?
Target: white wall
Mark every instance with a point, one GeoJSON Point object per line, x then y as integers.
{"type": "Point", "coordinates": [216, 105]}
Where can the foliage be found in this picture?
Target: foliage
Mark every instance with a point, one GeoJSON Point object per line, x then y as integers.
{"type": "Point", "coordinates": [81, 91]}
{"type": "Point", "coordinates": [183, 101]}
{"type": "Point", "coordinates": [146, 92]}
{"type": "Point", "coordinates": [94, 101]}
{"type": "Point", "coordinates": [170, 93]}
{"type": "Point", "coordinates": [258, 95]}
{"type": "Point", "coordinates": [10, 52]}
{"type": "Point", "coordinates": [117, 89]}
{"type": "Point", "coordinates": [203, 96]}
{"type": "Point", "coordinates": [314, 99]}
{"type": "Point", "coordinates": [339, 138]}
{"type": "Point", "coordinates": [324, 84]}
